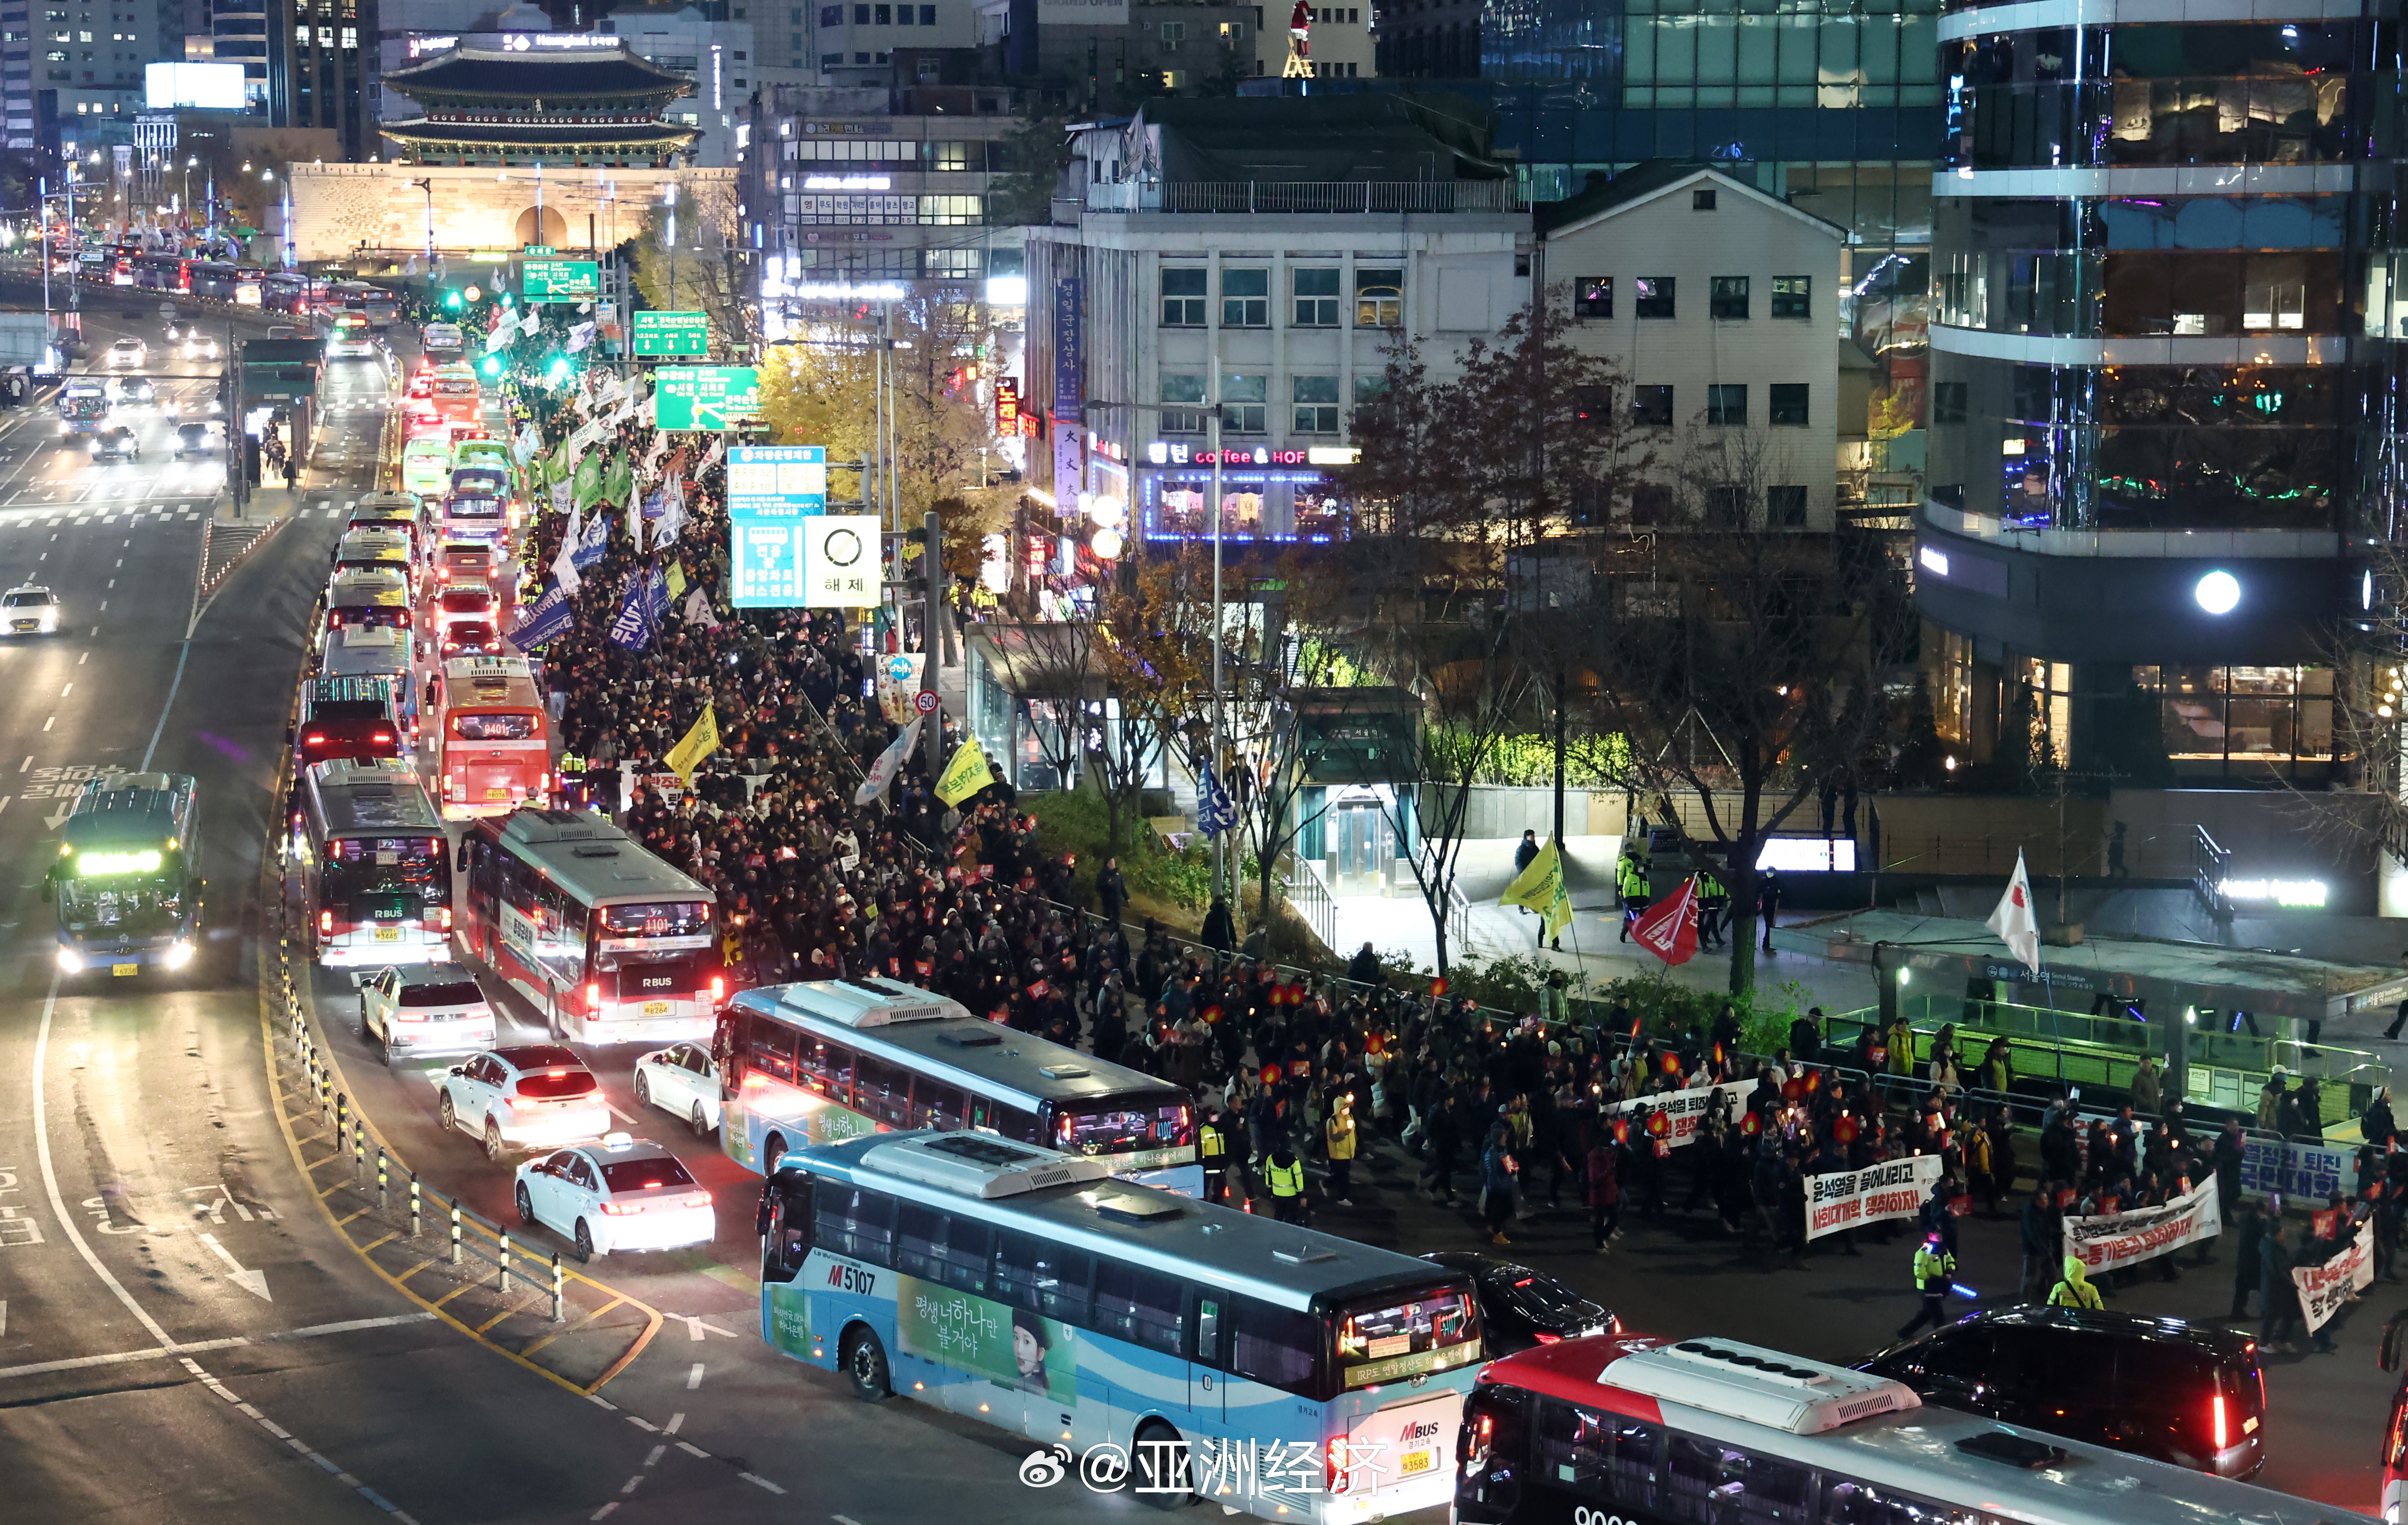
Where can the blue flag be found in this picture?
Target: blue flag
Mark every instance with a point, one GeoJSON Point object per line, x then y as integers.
{"type": "Point", "coordinates": [656, 597]}
{"type": "Point", "coordinates": [1214, 813]}
{"type": "Point", "coordinates": [596, 540]}
{"type": "Point", "coordinates": [544, 620]}
{"type": "Point", "coordinates": [632, 627]}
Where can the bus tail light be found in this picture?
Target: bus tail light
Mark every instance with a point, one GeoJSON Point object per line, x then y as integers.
{"type": "Point", "coordinates": [314, 739]}
{"type": "Point", "coordinates": [544, 782]}
{"type": "Point", "coordinates": [381, 736]}
{"type": "Point", "coordinates": [592, 996]}
{"type": "Point", "coordinates": [717, 989]}
{"type": "Point", "coordinates": [325, 924]}
{"type": "Point", "coordinates": [446, 914]}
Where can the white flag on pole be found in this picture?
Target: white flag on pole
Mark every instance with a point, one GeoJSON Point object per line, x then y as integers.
{"type": "Point", "coordinates": [889, 763]}
{"type": "Point", "coordinates": [2014, 921]}
{"type": "Point", "coordinates": [564, 568]}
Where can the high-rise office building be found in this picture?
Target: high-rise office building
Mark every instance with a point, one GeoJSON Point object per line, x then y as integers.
{"type": "Point", "coordinates": [2163, 387]}
{"type": "Point", "coordinates": [322, 58]}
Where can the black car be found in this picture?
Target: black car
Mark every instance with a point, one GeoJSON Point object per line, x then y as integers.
{"type": "Point", "coordinates": [1520, 1307]}
{"type": "Point", "coordinates": [193, 439]}
{"type": "Point", "coordinates": [2160, 1387]}
{"type": "Point", "coordinates": [115, 443]}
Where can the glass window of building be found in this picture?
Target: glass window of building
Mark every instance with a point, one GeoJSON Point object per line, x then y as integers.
{"type": "Point", "coordinates": [1790, 298]}
{"type": "Point", "coordinates": [1653, 296]}
{"type": "Point", "coordinates": [1592, 297]}
{"type": "Point", "coordinates": [1726, 406]}
{"type": "Point", "coordinates": [1785, 405]}
{"type": "Point", "coordinates": [1379, 297]}
{"type": "Point", "coordinates": [1246, 298]}
{"type": "Point", "coordinates": [1727, 299]}
{"type": "Point", "coordinates": [1316, 404]}
{"type": "Point", "coordinates": [1316, 296]}
{"type": "Point", "coordinates": [1245, 404]}
{"type": "Point", "coordinates": [1183, 296]}
{"type": "Point", "coordinates": [1650, 406]}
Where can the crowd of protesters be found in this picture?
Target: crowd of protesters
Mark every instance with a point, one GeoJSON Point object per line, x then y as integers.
{"type": "Point", "coordinates": [1297, 1076]}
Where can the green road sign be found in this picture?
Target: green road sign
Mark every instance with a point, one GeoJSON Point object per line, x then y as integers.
{"type": "Point", "coordinates": [708, 398]}
{"type": "Point", "coordinates": [672, 333]}
{"type": "Point", "coordinates": [559, 279]}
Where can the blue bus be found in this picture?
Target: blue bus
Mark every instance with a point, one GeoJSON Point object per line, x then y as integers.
{"type": "Point", "coordinates": [831, 1060]}
{"type": "Point", "coordinates": [1137, 1338]}
{"type": "Point", "coordinates": [125, 894]}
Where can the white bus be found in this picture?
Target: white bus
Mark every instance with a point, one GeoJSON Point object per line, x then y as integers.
{"type": "Point", "coordinates": [610, 943]}
{"type": "Point", "coordinates": [1188, 1347]}
{"type": "Point", "coordinates": [831, 1060]}
{"type": "Point", "coordinates": [1711, 1432]}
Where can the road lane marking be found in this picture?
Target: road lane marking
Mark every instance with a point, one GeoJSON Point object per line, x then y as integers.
{"type": "Point", "coordinates": [693, 1379]}
{"type": "Point", "coordinates": [68, 689]}
{"type": "Point", "coordinates": [676, 1422]}
{"type": "Point", "coordinates": [85, 658]}
{"type": "Point", "coordinates": [47, 724]}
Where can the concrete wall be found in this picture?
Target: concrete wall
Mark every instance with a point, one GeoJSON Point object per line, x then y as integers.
{"type": "Point", "coordinates": [339, 208]}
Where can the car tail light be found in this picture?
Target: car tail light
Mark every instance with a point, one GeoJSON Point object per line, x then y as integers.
{"type": "Point", "coordinates": [314, 739]}
{"type": "Point", "coordinates": [718, 988]}
{"type": "Point", "coordinates": [2216, 1412]}
{"type": "Point", "coordinates": [620, 1210]}
{"type": "Point", "coordinates": [325, 924]}
{"type": "Point", "coordinates": [695, 1198]}
{"type": "Point", "coordinates": [592, 996]}
{"type": "Point", "coordinates": [1549, 1337]}
{"type": "Point", "coordinates": [382, 736]}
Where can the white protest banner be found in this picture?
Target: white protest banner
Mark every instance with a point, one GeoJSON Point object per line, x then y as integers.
{"type": "Point", "coordinates": [2324, 1289]}
{"type": "Point", "coordinates": [2110, 1240]}
{"type": "Point", "coordinates": [1684, 1110]}
{"type": "Point", "coordinates": [1895, 1188]}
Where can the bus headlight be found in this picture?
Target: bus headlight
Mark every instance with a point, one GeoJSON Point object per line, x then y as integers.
{"type": "Point", "coordinates": [180, 953]}
{"type": "Point", "coordinates": [70, 961]}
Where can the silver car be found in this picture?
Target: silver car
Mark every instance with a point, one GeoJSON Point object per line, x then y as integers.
{"type": "Point", "coordinates": [424, 1009]}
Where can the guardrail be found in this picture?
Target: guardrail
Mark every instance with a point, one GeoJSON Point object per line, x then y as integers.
{"type": "Point", "coordinates": [1311, 896]}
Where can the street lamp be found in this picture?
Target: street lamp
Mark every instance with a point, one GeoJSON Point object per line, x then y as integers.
{"type": "Point", "coordinates": [427, 185]}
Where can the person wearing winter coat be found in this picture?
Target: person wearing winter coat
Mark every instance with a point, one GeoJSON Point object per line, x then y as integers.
{"type": "Point", "coordinates": [2074, 1290]}
{"type": "Point", "coordinates": [1338, 1137]}
{"type": "Point", "coordinates": [1498, 1168]}
{"type": "Point", "coordinates": [1602, 1183]}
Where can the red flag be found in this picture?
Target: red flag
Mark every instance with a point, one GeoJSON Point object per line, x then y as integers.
{"type": "Point", "coordinates": [1669, 929]}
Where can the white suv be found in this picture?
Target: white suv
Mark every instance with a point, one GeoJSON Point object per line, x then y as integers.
{"type": "Point", "coordinates": [424, 1009]}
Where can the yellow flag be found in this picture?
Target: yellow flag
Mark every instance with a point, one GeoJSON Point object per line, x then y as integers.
{"type": "Point", "coordinates": [677, 580]}
{"type": "Point", "coordinates": [965, 774]}
{"type": "Point", "coordinates": [1540, 888]}
{"type": "Point", "coordinates": [697, 744]}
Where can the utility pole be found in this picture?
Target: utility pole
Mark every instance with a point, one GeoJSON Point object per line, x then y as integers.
{"type": "Point", "coordinates": [931, 643]}
{"type": "Point", "coordinates": [1220, 838]}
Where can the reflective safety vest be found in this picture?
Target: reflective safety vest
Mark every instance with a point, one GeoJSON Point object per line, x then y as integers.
{"type": "Point", "coordinates": [1288, 1182]}
{"type": "Point", "coordinates": [1711, 888]}
{"type": "Point", "coordinates": [1211, 1142]}
{"type": "Point", "coordinates": [1932, 1267]}
{"type": "Point", "coordinates": [1633, 881]}
{"type": "Point", "coordinates": [2066, 1295]}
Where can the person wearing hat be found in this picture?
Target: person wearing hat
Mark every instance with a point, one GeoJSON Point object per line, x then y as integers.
{"type": "Point", "coordinates": [1284, 1174]}
{"type": "Point", "coordinates": [1212, 1146]}
{"type": "Point", "coordinates": [2271, 1098]}
{"type": "Point", "coordinates": [1935, 1267]}
{"type": "Point", "coordinates": [2074, 1290]}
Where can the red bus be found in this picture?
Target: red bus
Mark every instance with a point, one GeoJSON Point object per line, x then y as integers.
{"type": "Point", "coordinates": [376, 880]}
{"type": "Point", "coordinates": [495, 752]}
{"type": "Point", "coordinates": [610, 943]}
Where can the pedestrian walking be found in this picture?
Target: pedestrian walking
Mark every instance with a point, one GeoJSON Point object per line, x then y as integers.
{"type": "Point", "coordinates": [2040, 1238]}
{"type": "Point", "coordinates": [1213, 1146]}
{"type": "Point", "coordinates": [1498, 1168]}
{"type": "Point", "coordinates": [1444, 1127]}
{"type": "Point", "coordinates": [1935, 1268]}
{"type": "Point", "coordinates": [1768, 901]}
{"type": "Point", "coordinates": [1339, 1140]}
{"type": "Point", "coordinates": [2277, 1297]}
{"type": "Point", "coordinates": [2074, 1291]}
{"type": "Point", "coordinates": [1602, 1183]}
{"type": "Point", "coordinates": [1284, 1174]}
{"type": "Point", "coordinates": [2248, 1230]}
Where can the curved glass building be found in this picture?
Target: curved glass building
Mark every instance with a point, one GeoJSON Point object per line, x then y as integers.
{"type": "Point", "coordinates": [2163, 370]}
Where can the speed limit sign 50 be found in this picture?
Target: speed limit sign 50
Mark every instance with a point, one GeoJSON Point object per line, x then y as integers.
{"type": "Point", "coordinates": [925, 702]}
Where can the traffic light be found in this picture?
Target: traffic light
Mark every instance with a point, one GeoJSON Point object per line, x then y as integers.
{"type": "Point", "coordinates": [491, 365]}
{"type": "Point", "coordinates": [559, 369]}
{"type": "Point", "coordinates": [451, 300]}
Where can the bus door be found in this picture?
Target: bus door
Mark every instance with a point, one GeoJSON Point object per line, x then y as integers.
{"type": "Point", "coordinates": [1207, 1388]}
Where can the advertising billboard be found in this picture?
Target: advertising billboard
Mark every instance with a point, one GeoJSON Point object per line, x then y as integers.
{"type": "Point", "coordinates": [203, 87]}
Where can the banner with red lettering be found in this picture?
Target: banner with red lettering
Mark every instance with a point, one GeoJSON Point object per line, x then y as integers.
{"type": "Point", "coordinates": [2110, 1240]}
{"type": "Point", "coordinates": [2324, 1289]}
{"type": "Point", "coordinates": [1895, 1188]}
{"type": "Point", "coordinates": [1684, 1110]}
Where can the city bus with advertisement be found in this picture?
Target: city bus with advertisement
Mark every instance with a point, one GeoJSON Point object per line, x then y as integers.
{"type": "Point", "coordinates": [609, 942]}
{"type": "Point", "coordinates": [126, 896]}
{"type": "Point", "coordinates": [1190, 1349]}
{"type": "Point", "coordinates": [829, 1059]}
{"type": "Point", "coordinates": [1621, 1427]}
{"type": "Point", "coordinates": [379, 653]}
{"type": "Point", "coordinates": [495, 750]}
{"type": "Point", "coordinates": [374, 882]}
{"type": "Point", "coordinates": [478, 516]}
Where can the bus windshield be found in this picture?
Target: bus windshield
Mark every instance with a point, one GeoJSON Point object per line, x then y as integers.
{"type": "Point", "coordinates": [472, 508]}
{"type": "Point", "coordinates": [1123, 1124]}
{"type": "Point", "coordinates": [130, 905]}
{"type": "Point", "coordinates": [1389, 1338]}
{"type": "Point", "coordinates": [665, 918]}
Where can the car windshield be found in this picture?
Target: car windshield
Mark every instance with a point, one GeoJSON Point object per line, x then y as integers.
{"type": "Point", "coordinates": [644, 1175]}
{"type": "Point", "coordinates": [28, 600]}
{"type": "Point", "coordinates": [449, 993]}
{"type": "Point", "coordinates": [468, 600]}
{"type": "Point", "coordinates": [557, 1085]}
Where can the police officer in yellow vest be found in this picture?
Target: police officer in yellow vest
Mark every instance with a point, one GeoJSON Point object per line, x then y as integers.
{"type": "Point", "coordinates": [2076, 1290]}
{"type": "Point", "coordinates": [1284, 1174]}
{"type": "Point", "coordinates": [1631, 880]}
{"type": "Point", "coordinates": [1714, 906]}
{"type": "Point", "coordinates": [1212, 1144]}
{"type": "Point", "coordinates": [1933, 1269]}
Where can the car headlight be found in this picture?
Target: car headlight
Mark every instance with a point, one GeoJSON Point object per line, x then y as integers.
{"type": "Point", "coordinates": [94, 447]}
{"type": "Point", "coordinates": [180, 953]}
{"type": "Point", "coordinates": [70, 961]}
{"type": "Point", "coordinates": [50, 619]}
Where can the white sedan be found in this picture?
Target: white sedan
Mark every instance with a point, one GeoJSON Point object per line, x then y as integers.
{"type": "Point", "coordinates": [532, 1096]}
{"type": "Point", "coordinates": [621, 1194]}
{"type": "Point", "coordinates": [682, 1080]}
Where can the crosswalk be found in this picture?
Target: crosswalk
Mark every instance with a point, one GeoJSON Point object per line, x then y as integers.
{"type": "Point", "coordinates": [54, 519]}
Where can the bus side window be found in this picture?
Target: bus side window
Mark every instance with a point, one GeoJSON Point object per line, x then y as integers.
{"type": "Point", "coordinates": [1276, 1346]}
{"type": "Point", "coordinates": [1043, 1277]}
{"type": "Point", "coordinates": [772, 1049]}
{"type": "Point", "coordinates": [790, 1228]}
{"type": "Point", "coordinates": [851, 1221]}
{"type": "Point", "coordinates": [962, 1263]}
{"type": "Point", "coordinates": [1769, 1491]}
{"type": "Point", "coordinates": [728, 1041]}
{"type": "Point", "coordinates": [918, 1233]}
{"type": "Point", "coordinates": [1006, 1121]}
{"type": "Point", "coordinates": [882, 1092]}
{"type": "Point", "coordinates": [1697, 1472]}
{"type": "Point", "coordinates": [935, 1104]}
{"type": "Point", "coordinates": [840, 1076]}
